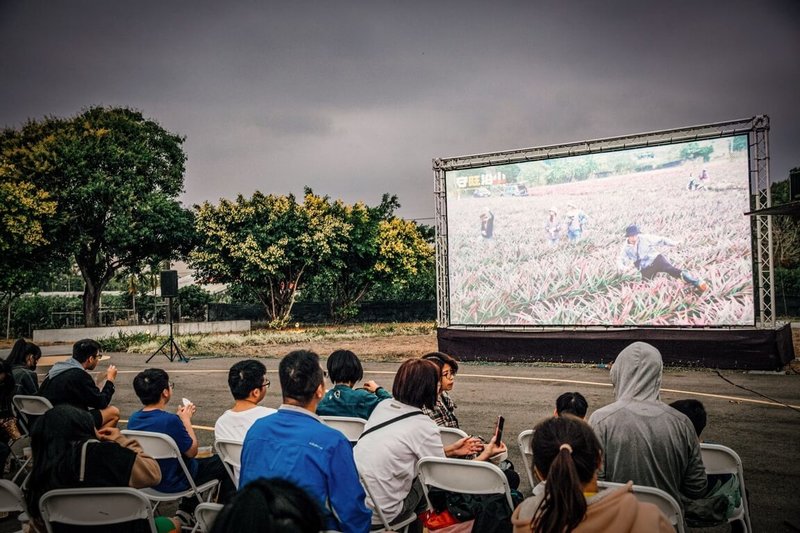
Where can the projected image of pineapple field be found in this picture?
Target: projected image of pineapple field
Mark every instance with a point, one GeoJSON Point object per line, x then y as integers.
{"type": "Point", "coordinates": [649, 236]}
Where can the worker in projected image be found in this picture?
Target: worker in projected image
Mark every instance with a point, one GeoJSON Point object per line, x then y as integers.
{"type": "Point", "coordinates": [640, 249]}
{"type": "Point", "coordinates": [552, 227]}
{"type": "Point", "coordinates": [487, 224]}
{"type": "Point", "coordinates": [576, 221]}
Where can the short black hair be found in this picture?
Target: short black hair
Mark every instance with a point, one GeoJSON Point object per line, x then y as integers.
{"type": "Point", "coordinates": [149, 384]}
{"type": "Point", "coordinates": [300, 375]}
{"type": "Point", "coordinates": [417, 383]}
{"type": "Point", "coordinates": [694, 410]}
{"type": "Point", "coordinates": [344, 367]}
{"type": "Point", "coordinates": [245, 376]}
{"type": "Point", "coordinates": [440, 359]}
{"type": "Point", "coordinates": [572, 403]}
{"type": "Point", "coordinates": [84, 349]}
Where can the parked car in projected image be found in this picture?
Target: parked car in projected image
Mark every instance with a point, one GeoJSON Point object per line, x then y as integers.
{"type": "Point", "coordinates": [481, 192]}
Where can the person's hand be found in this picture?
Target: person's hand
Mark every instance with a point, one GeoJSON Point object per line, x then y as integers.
{"type": "Point", "coordinates": [108, 434]}
{"type": "Point", "coordinates": [111, 373]}
{"type": "Point", "coordinates": [371, 386]}
{"type": "Point", "coordinates": [187, 411]}
{"type": "Point", "coordinates": [464, 446]}
{"type": "Point", "coordinates": [492, 449]}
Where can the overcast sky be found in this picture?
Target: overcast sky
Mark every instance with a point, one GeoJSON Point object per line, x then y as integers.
{"type": "Point", "coordinates": [356, 98]}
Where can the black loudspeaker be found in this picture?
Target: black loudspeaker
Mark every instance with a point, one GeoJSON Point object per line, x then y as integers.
{"type": "Point", "coordinates": [169, 283]}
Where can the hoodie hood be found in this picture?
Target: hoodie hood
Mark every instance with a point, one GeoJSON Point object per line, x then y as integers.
{"type": "Point", "coordinates": [636, 373]}
{"type": "Point", "coordinates": [63, 366]}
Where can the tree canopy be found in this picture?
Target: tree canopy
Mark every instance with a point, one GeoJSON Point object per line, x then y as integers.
{"type": "Point", "coordinates": [114, 176]}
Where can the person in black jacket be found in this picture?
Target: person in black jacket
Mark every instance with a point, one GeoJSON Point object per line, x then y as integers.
{"type": "Point", "coordinates": [70, 382]}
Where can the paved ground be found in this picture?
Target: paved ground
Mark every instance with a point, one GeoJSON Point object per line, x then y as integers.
{"type": "Point", "coordinates": [766, 436]}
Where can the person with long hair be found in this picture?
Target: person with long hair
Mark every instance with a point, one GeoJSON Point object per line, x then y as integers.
{"type": "Point", "coordinates": [70, 453]}
{"type": "Point", "coordinates": [271, 506]}
{"type": "Point", "coordinates": [345, 370]}
{"type": "Point", "coordinates": [23, 359]}
{"type": "Point", "coordinates": [8, 424]}
{"type": "Point", "coordinates": [444, 411]}
{"type": "Point", "coordinates": [567, 455]}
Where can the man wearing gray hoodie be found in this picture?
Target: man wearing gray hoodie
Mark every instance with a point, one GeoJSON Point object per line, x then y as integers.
{"type": "Point", "coordinates": [645, 440]}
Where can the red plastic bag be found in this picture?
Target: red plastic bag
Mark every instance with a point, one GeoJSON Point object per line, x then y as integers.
{"type": "Point", "coordinates": [433, 520]}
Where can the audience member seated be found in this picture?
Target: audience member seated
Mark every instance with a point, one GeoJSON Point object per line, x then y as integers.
{"type": "Point", "coordinates": [723, 494]}
{"type": "Point", "coordinates": [647, 441]}
{"type": "Point", "coordinates": [444, 412]}
{"type": "Point", "coordinates": [398, 434]}
{"type": "Point", "coordinates": [248, 383]}
{"type": "Point", "coordinates": [345, 371]}
{"type": "Point", "coordinates": [70, 382]}
{"type": "Point", "coordinates": [567, 455]}
{"type": "Point", "coordinates": [23, 359]}
{"type": "Point", "coordinates": [70, 453]}
{"type": "Point", "coordinates": [154, 390]}
{"type": "Point", "coordinates": [9, 431]}
{"type": "Point", "coordinates": [270, 506]}
{"type": "Point", "coordinates": [295, 445]}
{"type": "Point", "coordinates": [571, 403]}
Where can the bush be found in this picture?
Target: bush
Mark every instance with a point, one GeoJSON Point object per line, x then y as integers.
{"type": "Point", "coordinates": [194, 300]}
{"type": "Point", "coordinates": [44, 312]}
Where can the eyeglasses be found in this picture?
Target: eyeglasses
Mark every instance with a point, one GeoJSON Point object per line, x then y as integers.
{"type": "Point", "coordinates": [171, 385]}
{"type": "Point", "coordinates": [265, 385]}
{"type": "Point", "coordinates": [449, 374]}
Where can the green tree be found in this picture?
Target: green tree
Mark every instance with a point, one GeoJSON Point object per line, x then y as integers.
{"type": "Point", "coordinates": [379, 248]}
{"type": "Point", "coordinates": [268, 245]}
{"type": "Point", "coordinates": [694, 150]}
{"type": "Point", "coordinates": [115, 177]}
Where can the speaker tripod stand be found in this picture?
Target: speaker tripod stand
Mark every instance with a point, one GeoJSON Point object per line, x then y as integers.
{"type": "Point", "coordinates": [174, 349]}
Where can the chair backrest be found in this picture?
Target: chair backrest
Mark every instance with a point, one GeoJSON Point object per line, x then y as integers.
{"type": "Point", "coordinates": [466, 477]}
{"type": "Point", "coordinates": [160, 446]}
{"type": "Point", "coordinates": [525, 443]}
{"type": "Point", "coordinates": [665, 502]}
{"type": "Point", "coordinates": [230, 451]}
{"type": "Point", "coordinates": [351, 426]}
{"type": "Point", "coordinates": [205, 514]}
{"type": "Point", "coordinates": [11, 498]}
{"type": "Point", "coordinates": [95, 507]}
{"type": "Point", "coordinates": [719, 459]}
{"type": "Point", "coordinates": [451, 435]}
{"type": "Point", "coordinates": [28, 406]}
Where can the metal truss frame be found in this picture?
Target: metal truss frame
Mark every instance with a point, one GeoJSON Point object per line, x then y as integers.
{"type": "Point", "coordinates": [757, 129]}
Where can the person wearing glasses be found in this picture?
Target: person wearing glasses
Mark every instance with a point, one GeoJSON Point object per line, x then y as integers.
{"type": "Point", "coordinates": [345, 371]}
{"type": "Point", "coordinates": [444, 412]}
{"type": "Point", "coordinates": [248, 383]}
{"type": "Point", "coordinates": [70, 382]}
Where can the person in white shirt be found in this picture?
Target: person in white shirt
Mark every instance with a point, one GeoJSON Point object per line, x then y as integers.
{"type": "Point", "coordinates": [248, 383]}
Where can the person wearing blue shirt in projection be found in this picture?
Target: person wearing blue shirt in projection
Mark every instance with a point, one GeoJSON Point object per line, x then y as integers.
{"type": "Point", "coordinates": [576, 221]}
{"type": "Point", "coordinates": [294, 444]}
{"type": "Point", "coordinates": [641, 250]}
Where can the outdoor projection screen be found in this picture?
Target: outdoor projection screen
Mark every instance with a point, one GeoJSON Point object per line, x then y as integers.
{"type": "Point", "coordinates": [648, 236]}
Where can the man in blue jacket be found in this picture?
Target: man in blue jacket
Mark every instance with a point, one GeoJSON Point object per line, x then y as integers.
{"type": "Point", "coordinates": [295, 445]}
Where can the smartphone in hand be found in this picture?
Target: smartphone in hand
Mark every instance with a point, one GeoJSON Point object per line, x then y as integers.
{"type": "Point", "coordinates": [498, 431]}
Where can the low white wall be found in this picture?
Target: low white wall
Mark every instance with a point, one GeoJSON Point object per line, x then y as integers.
{"type": "Point", "coordinates": [183, 328]}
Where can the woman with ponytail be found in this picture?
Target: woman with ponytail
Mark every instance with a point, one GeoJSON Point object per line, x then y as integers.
{"type": "Point", "coordinates": [567, 455]}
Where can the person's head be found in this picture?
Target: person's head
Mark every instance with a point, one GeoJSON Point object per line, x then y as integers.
{"type": "Point", "coordinates": [344, 367]}
{"type": "Point", "coordinates": [632, 233]}
{"type": "Point", "coordinates": [25, 354]}
{"type": "Point", "coordinates": [270, 505]}
{"type": "Point", "coordinates": [694, 410]}
{"type": "Point", "coordinates": [302, 379]}
{"type": "Point", "coordinates": [248, 380]}
{"type": "Point", "coordinates": [87, 352]}
{"type": "Point", "coordinates": [553, 212]}
{"type": "Point", "coordinates": [151, 385]}
{"type": "Point", "coordinates": [636, 372]}
{"type": "Point", "coordinates": [56, 440]}
{"type": "Point", "coordinates": [571, 403]}
{"type": "Point", "coordinates": [567, 454]}
{"type": "Point", "coordinates": [416, 383]}
{"type": "Point", "coordinates": [448, 368]}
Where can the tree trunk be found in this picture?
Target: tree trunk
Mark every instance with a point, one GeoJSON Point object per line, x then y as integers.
{"type": "Point", "coordinates": [91, 304]}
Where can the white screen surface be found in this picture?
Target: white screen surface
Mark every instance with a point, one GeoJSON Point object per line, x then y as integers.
{"type": "Point", "coordinates": [513, 262]}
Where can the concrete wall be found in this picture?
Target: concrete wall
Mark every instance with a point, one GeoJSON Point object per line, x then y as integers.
{"type": "Point", "coordinates": [162, 330]}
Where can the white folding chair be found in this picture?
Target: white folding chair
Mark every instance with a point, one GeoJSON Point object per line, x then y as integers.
{"type": "Point", "coordinates": [351, 426]}
{"type": "Point", "coordinates": [451, 435]}
{"type": "Point", "coordinates": [665, 502]}
{"type": "Point", "coordinates": [12, 500]}
{"type": "Point", "coordinates": [205, 514]}
{"type": "Point", "coordinates": [28, 406]}
{"type": "Point", "coordinates": [230, 451]}
{"type": "Point", "coordinates": [720, 459]}
{"type": "Point", "coordinates": [525, 443]}
{"type": "Point", "coordinates": [161, 446]}
{"type": "Point", "coordinates": [100, 506]}
{"type": "Point", "coordinates": [401, 523]}
{"type": "Point", "coordinates": [465, 477]}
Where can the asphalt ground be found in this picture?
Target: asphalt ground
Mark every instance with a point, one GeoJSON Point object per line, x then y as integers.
{"type": "Point", "coordinates": [766, 435]}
